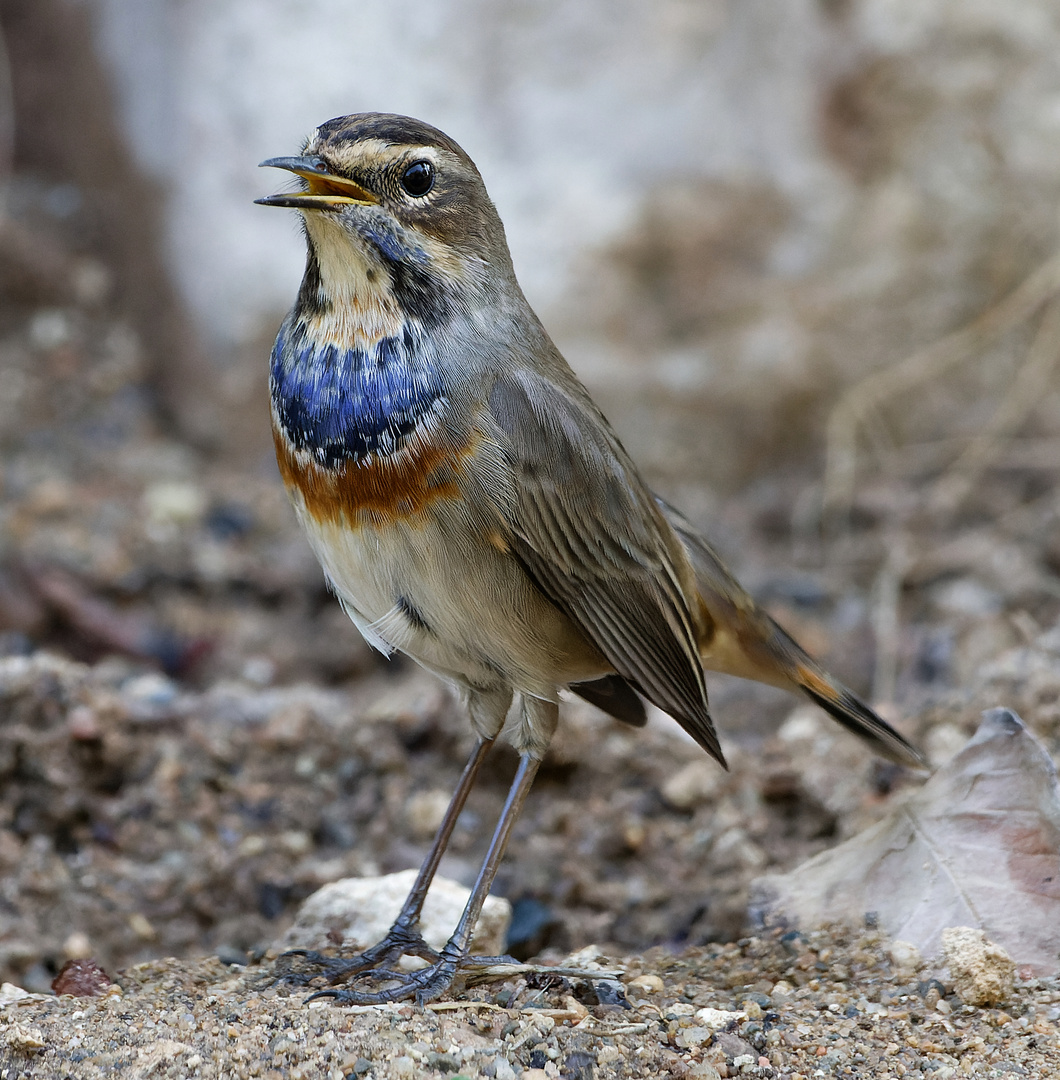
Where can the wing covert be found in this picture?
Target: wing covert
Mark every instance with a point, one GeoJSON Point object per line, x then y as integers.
{"type": "Point", "coordinates": [589, 534]}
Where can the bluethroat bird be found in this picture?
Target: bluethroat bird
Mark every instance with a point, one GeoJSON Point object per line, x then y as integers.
{"type": "Point", "coordinates": [472, 507]}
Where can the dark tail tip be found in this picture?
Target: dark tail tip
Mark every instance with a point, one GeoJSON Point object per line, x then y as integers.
{"type": "Point", "coordinates": [850, 711]}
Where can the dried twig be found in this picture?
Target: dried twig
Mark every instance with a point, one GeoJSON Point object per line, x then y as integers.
{"type": "Point", "coordinates": [103, 625]}
{"type": "Point", "coordinates": [858, 409]}
{"type": "Point", "coordinates": [1031, 384]}
{"type": "Point", "coordinates": [508, 971]}
{"type": "Point", "coordinates": [887, 593]}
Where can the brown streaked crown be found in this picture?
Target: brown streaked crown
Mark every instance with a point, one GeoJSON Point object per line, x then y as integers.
{"type": "Point", "coordinates": [373, 149]}
{"type": "Point", "coordinates": [389, 128]}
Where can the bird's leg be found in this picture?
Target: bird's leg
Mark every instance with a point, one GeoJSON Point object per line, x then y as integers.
{"type": "Point", "coordinates": [431, 982]}
{"type": "Point", "coordinates": [403, 938]}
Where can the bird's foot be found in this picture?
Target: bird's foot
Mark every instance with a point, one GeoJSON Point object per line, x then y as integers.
{"type": "Point", "coordinates": [300, 967]}
{"type": "Point", "coordinates": [424, 985]}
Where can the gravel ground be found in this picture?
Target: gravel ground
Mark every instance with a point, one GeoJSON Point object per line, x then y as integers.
{"type": "Point", "coordinates": [144, 820]}
{"type": "Point", "coordinates": [784, 1006]}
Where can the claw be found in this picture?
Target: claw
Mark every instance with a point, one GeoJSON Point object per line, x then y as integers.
{"type": "Point", "coordinates": [423, 985]}
{"type": "Point", "coordinates": [317, 965]}
{"type": "Point", "coordinates": [373, 966]}
{"type": "Point", "coordinates": [373, 962]}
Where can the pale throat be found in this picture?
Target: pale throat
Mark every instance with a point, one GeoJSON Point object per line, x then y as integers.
{"type": "Point", "coordinates": [357, 307]}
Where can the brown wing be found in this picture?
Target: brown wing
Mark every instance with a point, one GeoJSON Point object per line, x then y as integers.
{"type": "Point", "coordinates": [589, 534]}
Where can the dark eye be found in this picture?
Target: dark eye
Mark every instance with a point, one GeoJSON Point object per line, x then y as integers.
{"type": "Point", "coordinates": [418, 178]}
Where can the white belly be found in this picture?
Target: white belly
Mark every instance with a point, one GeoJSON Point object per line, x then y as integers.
{"type": "Point", "coordinates": [455, 604]}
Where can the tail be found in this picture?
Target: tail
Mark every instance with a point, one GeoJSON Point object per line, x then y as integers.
{"type": "Point", "coordinates": [840, 703]}
{"type": "Point", "coordinates": [739, 638]}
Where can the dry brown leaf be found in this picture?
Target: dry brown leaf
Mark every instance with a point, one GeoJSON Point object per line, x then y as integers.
{"type": "Point", "coordinates": [978, 845]}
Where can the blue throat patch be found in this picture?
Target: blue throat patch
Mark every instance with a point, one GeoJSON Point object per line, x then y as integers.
{"type": "Point", "coordinates": [344, 404]}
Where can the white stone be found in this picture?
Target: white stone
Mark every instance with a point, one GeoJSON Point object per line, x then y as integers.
{"type": "Point", "coordinates": [77, 946]}
{"type": "Point", "coordinates": [502, 1069]}
{"type": "Point", "coordinates": [424, 812]}
{"type": "Point", "coordinates": [693, 784]}
{"type": "Point", "coordinates": [716, 1019]}
{"type": "Point", "coordinates": [363, 909]}
{"type": "Point", "coordinates": [647, 984]}
{"type": "Point", "coordinates": [9, 992]}
{"type": "Point", "coordinates": [174, 502]}
{"type": "Point", "coordinates": [904, 954]}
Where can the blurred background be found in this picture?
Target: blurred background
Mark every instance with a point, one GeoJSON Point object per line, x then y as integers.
{"type": "Point", "coordinates": [804, 255]}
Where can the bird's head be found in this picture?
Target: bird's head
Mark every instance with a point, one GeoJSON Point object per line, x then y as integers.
{"type": "Point", "coordinates": [395, 214]}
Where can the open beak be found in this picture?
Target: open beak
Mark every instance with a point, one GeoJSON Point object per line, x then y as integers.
{"type": "Point", "coordinates": [324, 190]}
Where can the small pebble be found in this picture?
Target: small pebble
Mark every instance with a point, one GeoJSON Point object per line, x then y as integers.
{"type": "Point", "coordinates": [141, 926]}
{"type": "Point", "coordinates": [77, 946]}
{"type": "Point", "coordinates": [904, 955]}
{"type": "Point", "coordinates": [983, 973]}
{"type": "Point", "coordinates": [692, 785]}
{"type": "Point", "coordinates": [230, 955]}
{"type": "Point", "coordinates": [174, 502]}
{"type": "Point", "coordinates": [10, 993]}
{"type": "Point", "coordinates": [682, 1008]}
{"type": "Point", "coordinates": [424, 812]}
{"type": "Point", "coordinates": [716, 1019]}
{"type": "Point", "coordinates": [83, 724]}
{"type": "Point", "coordinates": [23, 1039]}
{"type": "Point", "coordinates": [81, 978]}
